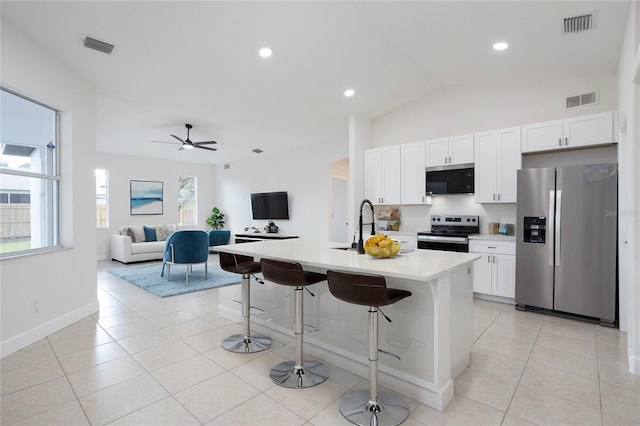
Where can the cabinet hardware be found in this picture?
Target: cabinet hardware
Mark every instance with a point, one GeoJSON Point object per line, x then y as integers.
{"type": "Point", "coordinates": [559, 141]}
{"type": "Point", "coordinates": [494, 197]}
{"type": "Point", "coordinates": [566, 141]}
{"type": "Point", "coordinates": [498, 197]}
{"type": "Point", "coordinates": [488, 259]}
{"type": "Point", "coordinates": [491, 247]}
{"type": "Point", "coordinates": [449, 160]}
{"type": "Point", "coordinates": [494, 259]}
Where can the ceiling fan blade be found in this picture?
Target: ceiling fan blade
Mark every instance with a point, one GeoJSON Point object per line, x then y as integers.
{"type": "Point", "coordinates": [204, 142]}
{"type": "Point", "coordinates": [181, 148]}
{"type": "Point", "coordinates": [205, 147]}
{"type": "Point", "coordinates": [170, 143]}
{"type": "Point", "coordinates": [177, 138]}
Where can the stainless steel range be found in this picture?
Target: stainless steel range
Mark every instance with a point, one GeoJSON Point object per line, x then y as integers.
{"type": "Point", "coordinates": [449, 233]}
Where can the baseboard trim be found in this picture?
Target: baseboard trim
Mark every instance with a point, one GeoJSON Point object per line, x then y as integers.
{"type": "Point", "coordinates": [22, 340]}
{"type": "Point", "coordinates": [634, 364]}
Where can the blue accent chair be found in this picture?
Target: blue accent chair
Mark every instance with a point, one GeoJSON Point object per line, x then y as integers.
{"type": "Point", "coordinates": [186, 247]}
{"type": "Point", "coordinates": [218, 237]}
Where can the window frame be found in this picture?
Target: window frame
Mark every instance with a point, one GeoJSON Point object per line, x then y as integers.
{"type": "Point", "coordinates": [105, 198]}
{"type": "Point", "coordinates": [52, 180]}
{"type": "Point", "coordinates": [195, 200]}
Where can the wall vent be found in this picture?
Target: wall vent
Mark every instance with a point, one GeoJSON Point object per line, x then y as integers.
{"type": "Point", "coordinates": [227, 166]}
{"type": "Point", "coordinates": [576, 24]}
{"type": "Point", "coordinates": [98, 45]}
{"type": "Point", "coordinates": [583, 99]}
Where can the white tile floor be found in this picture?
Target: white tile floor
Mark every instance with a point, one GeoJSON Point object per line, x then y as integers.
{"type": "Point", "coordinates": [144, 360]}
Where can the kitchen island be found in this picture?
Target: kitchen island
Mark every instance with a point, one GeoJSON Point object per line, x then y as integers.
{"type": "Point", "coordinates": [431, 332]}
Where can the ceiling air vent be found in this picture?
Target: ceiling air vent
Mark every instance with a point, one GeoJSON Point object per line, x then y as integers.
{"type": "Point", "coordinates": [576, 24]}
{"type": "Point", "coordinates": [583, 99]}
{"type": "Point", "coordinates": [98, 45]}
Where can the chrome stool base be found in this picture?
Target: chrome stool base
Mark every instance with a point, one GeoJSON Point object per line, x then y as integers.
{"type": "Point", "coordinates": [287, 375]}
{"type": "Point", "coordinates": [240, 343]}
{"type": "Point", "coordinates": [387, 410]}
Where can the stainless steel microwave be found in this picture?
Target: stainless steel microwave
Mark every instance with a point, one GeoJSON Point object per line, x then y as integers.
{"type": "Point", "coordinates": [457, 179]}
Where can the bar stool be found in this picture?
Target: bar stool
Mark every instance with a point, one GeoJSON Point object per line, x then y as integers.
{"type": "Point", "coordinates": [370, 407]}
{"type": "Point", "coordinates": [298, 373]}
{"type": "Point", "coordinates": [245, 342]}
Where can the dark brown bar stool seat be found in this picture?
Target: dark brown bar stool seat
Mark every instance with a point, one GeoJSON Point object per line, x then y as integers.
{"type": "Point", "coordinates": [370, 407]}
{"type": "Point", "coordinates": [245, 342]}
{"type": "Point", "coordinates": [298, 373]}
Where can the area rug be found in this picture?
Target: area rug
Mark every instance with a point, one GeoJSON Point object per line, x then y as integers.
{"type": "Point", "coordinates": [148, 277]}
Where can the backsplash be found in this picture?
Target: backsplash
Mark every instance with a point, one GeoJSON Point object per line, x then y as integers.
{"type": "Point", "coordinates": [418, 218]}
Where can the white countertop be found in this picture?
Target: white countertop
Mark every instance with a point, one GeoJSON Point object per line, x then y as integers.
{"type": "Point", "coordinates": [498, 237]}
{"type": "Point", "coordinates": [422, 265]}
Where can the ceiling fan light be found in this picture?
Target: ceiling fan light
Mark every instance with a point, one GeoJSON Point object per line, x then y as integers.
{"type": "Point", "coordinates": [187, 146]}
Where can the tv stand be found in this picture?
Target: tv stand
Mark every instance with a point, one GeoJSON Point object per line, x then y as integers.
{"type": "Point", "coordinates": [260, 236]}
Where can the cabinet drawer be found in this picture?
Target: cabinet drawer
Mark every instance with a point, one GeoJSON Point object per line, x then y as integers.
{"type": "Point", "coordinates": [496, 247]}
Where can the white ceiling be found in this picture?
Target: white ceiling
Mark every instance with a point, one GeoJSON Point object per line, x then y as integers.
{"type": "Point", "coordinates": [179, 62]}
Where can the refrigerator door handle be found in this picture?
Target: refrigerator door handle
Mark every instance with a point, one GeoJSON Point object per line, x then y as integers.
{"type": "Point", "coordinates": [551, 232]}
{"type": "Point", "coordinates": [557, 225]}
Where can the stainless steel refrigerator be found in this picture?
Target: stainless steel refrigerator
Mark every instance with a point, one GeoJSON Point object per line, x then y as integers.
{"type": "Point", "coordinates": [566, 234]}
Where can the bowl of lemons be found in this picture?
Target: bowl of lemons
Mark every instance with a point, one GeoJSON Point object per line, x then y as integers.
{"type": "Point", "coordinates": [381, 247]}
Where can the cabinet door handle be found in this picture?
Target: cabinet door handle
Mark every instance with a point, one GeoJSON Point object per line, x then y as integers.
{"type": "Point", "coordinates": [445, 160]}
{"type": "Point", "coordinates": [566, 141]}
{"type": "Point", "coordinates": [488, 259]}
{"type": "Point", "coordinates": [449, 160]}
{"type": "Point", "coordinates": [494, 259]}
{"type": "Point", "coordinates": [491, 247]}
{"type": "Point", "coordinates": [494, 197]}
{"type": "Point", "coordinates": [498, 197]}
{"type": "Point", "coordinates": [559, 141]}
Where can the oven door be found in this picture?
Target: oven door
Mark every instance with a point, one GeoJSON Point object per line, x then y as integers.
{"type": "Point", "coordinates": [432, 242]}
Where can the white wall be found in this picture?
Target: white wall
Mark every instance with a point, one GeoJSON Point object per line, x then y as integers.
{"type": "Point", "coordinates": [304, 173]}
{"type": "Point", "coordinates": [629, 181]}
{"type": "Point", "coordinates": [63, 282]}
{"type": "Point", "coordinates": [122, 169]}
{"type": "Point", "coordinates": [468, 109]}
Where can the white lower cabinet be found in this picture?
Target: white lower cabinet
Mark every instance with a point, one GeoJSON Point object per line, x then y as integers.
{"type": "Point", "coordinates": [495, 272]}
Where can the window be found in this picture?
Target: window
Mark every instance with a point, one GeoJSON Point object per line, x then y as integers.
{"type": "Point", "coordinates": [29, 178]}
{"type": "Point", "coordinates": [101, 199]}
{"type": "Point", "coordinates": [187, 200]}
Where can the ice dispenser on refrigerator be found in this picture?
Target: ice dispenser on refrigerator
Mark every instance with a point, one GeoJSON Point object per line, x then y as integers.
{"type": "Point", "coordinates": [535, 230]}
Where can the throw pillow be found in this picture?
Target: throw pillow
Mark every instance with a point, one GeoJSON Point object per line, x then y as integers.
{"type": "Point", "coordinates": [150, 233]}
{"type": "Point", "coordinates": [131, 234]}
{"type": "Point", "coordinates": [139, 231]}
{"type": "Point", "coordinates": [162, 233]}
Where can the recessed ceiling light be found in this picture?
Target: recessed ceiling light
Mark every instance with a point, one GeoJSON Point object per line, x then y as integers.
{"type": "Point", "coordinates": [500, 46]}
{"type": "Point", "coordinates": [265, 52]}
{"type": "Point", "coordinates": [349, 92]}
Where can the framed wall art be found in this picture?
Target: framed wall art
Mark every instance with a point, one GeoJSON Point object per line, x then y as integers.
{"type": "Point", "coordinates": [146, 197]}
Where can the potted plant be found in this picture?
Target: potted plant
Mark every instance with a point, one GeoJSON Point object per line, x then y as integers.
{"type": "Point", "coordinates": [217, 236]}
{"type": "Point", "coordinates": [216, 219]}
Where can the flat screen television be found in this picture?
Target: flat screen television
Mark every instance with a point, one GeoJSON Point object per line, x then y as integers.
{"type": "Point", "coordinates": [270, 205]}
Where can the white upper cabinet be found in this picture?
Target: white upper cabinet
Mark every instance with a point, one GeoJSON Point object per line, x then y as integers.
{"type": "Point", "coordinates": [575, 132]}
{"type": "Point", "coordinates": [412, 183]}
{"type": "Point", "coordinates": [497, 160]}
{"type": "Point", "coordinates": [382, 175]}
{"type": "Point", "coordinates": [447, 151]}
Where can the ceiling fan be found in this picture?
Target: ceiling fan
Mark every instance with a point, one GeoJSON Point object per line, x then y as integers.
{"type": "Point", "coordinates": [188, 143]}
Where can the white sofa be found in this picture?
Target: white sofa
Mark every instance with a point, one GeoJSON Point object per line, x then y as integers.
{"type": "Point", "coordinates": [124, 250]}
